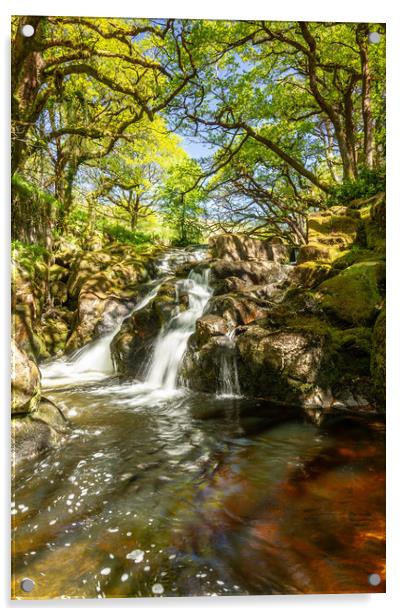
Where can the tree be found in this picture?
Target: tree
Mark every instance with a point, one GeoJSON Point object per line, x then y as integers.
{"type": "Point", "coordinates": [181, 204]}
{"type": "Point", "coordinates": [79, 84]}
{"type": "Point", "coordinates": [272, 82]}
{"type": "Point", "coordinates": [130, 177]}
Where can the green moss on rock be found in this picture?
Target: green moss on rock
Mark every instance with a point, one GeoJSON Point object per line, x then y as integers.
{"type": "Point", "coordinates": [378, 358]}
{"type": "Point", "coordinates": [355, 295]}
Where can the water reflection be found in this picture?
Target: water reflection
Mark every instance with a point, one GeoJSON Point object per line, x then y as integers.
{"type": "Point", "coordinates": [171, 493]}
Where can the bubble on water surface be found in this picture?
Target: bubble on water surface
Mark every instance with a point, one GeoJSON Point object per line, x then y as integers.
{"type": "Point", "coordinates": [136, 555]}
{"type": "Point", "coordinates": [124, 577]}
{"type": "Point", "coordinates": [106, 571]}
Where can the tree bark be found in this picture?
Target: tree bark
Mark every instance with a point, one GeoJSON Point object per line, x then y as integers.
{"type": "Point", "coordinates": [362, 34]}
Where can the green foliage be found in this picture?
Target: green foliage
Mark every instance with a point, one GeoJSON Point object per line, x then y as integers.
{"type": "Point", "coordinates": [28, 191]}
{"type": "Point", "coordinates": [181, 202]}
{"type": "Point", "coordinates": [280, 103]}
{"type": "Point", "coordinates": [28, 252]}
{"type": "Point", "coordinates": [119, 233]}
{"type": "Point", "coordinates": [369, 183]}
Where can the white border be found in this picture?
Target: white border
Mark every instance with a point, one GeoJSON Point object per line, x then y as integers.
{"type": "Point", "coordinates": [388, 11]}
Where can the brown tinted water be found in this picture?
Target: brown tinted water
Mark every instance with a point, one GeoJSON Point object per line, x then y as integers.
{"type": "Point", "coordinates": [184, 494]}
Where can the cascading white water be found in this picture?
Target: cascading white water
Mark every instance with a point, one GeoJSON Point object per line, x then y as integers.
{"type": "Point", "coordinates": [172, 342]}
{"type": "Point", "coordinates": [93, 361]}
{"type": "Point", "coordinates": [229, 386]}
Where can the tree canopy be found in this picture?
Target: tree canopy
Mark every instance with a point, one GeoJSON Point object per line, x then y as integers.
{"type": "Point", "coordinates": [292, 111]}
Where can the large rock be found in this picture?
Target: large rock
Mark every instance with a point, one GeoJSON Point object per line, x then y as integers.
{"type": "Point", "coordinates": [378, 358]}
{"type": "Point", "coordinates": [227, 276]}
{"type": "Point", "coordinates": [28, 293]}
{"type": "Point", "coordinates": [83, 267]}
{"type": "Point", "coordinates": [373, 214]}
{"type": "Point", "coordinates": [202, 362]}
{"type": "Point", "coordinates": [33, 434]}
{"type": "Point", "coordinates": [25, 382]}
{"type": "Point", "coordinates": [56, 331]}
{"type": "Point", "coordinates": [338, 225]}
{"type": "Point", "coordinates": [208, 326]}
{"type": "Point", "coordinates": [311, 364]}
{"type": "Point", "coordinates": [355, 295]}
{"type": "Point", "coordinates": [104, 298]}
{"type": "Point", "coordinates": [132, 345]}
{"type": "Point", "coordinates": [238, 247]}
{"type": "Point", "coordinates": [237, 309]}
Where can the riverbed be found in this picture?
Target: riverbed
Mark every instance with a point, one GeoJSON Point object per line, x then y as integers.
{"type": "Point", "coordinates": [161, 491]}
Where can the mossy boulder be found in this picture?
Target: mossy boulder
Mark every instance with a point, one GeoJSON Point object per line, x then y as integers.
{"type": "Point", "coordinates": [66, 253]}
{"type": "Point", "coordinates": [104, 297]}
{"type": "Point", "coordinates": [355, 295]}
{"type": "Point", "coordinates": [338, 225]}
{"type": "Point", "coordinates": [310, 274]}
{"type": "Point", "coordinates": [28, 293]}
{"type": "Point", "coordinates": [84, 267]}
{"type": "Point", "coordinates": [330, 232]}
{"type": "Point", "coordinates": [37, 432]}
{"type": "Point", "coordinates": [373, 216]}
{"type": "Point", "coordinates": [55, 334]}
{"type": "Point", "coordinates": [378, 358]}
{"type": "Point", "coordinates": [309, 364]}
{"type": "Point", "coordinates": [25, 382]}
{"type": "Point", "coordinates": [321, 253]}
{"type": "Point", "coordinates": [354, 255]}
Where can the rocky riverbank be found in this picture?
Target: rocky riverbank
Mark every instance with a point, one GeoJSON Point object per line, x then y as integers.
{"type": "Point", "coordinates": [302, 326]}
{"type": "Point", "coordinates": [311, 334]}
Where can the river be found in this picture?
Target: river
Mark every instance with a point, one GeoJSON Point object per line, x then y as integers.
{"type": "Point", "coordinates": [161, 491]}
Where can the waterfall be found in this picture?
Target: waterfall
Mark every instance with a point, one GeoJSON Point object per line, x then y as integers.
{"type": "Point", "coordinates": [229, 386]}
{"type": "Point", "coordinates": [93, 361]}
{"type": "Point", "coordinates": [172, 341]}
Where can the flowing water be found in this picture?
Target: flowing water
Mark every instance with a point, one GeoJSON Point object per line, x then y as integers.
{"type": "Point", "coordinates": [160, 491]}
{"type": "Point", "coordinates": [229, 385]}
{"type": "Point", "coordinates": [172, 342]}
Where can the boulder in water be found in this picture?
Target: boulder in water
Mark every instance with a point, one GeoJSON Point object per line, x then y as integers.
{"type": "Point", "coordinates": [105, 297]}
{"type": "Point", "coordinates": [25, 382]}
{"type": "Point", "coordinates": [35, 433]}
{"type": "Point", "coordinates": [208, 326]}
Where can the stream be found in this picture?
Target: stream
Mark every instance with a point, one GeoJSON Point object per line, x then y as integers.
{"type": "Point", "coordinates": [161, 491]}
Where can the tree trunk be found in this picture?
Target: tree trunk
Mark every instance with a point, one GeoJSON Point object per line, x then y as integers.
{"type": "Point", "coordinates": [26, 80]}
{"type": "Point", "coordinates": [362, 34]}
{"type": "Point", "coordinates": [134, 213]}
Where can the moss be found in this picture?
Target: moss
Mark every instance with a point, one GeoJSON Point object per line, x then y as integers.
{"type": "Point", "coordinates": [372, 215]}
{"type": "Point", "coordinates": [310, 273]}
{"type": "Point", "coordinates": [329, 224]}
{"type": "Point", "coordinates": [354, 296]}
{"type": "Point", "coordinates": [55, 334]}
{"type": "Point", "coordinates": [378, 358]}
{"type": "Point", "coordinates": [317, 251]}
{"type": "Point", "coordinates": [354, 255]}
{"type": "Point", "coordinates": [346, 352]}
